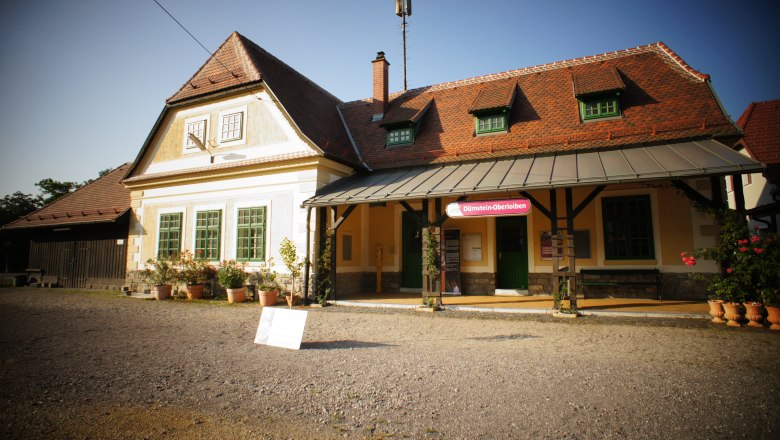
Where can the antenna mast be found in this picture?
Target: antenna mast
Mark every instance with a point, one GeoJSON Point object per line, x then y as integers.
{"type": "Point", "coordinates": [403, 9]}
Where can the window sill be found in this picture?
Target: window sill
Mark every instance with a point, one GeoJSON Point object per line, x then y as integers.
{"type": "Point", "coordinates": [605, 118]}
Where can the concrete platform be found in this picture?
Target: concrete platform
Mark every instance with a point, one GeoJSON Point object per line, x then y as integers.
{"type": "Point", "coordinates": [537, 305]}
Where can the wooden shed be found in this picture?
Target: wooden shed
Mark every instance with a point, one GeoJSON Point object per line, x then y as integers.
{"type": "Point", "coordinates": [80, 240]}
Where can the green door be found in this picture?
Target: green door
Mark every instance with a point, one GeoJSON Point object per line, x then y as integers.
{"type": "Point", "coordinates": [411, 252]}
{"type": "Point", "coordinates": [512, 249]}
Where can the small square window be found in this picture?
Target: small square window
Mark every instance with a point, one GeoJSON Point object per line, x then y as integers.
{"type": "Point", "coordinates": [490, 123]}
{"type": "Point", "coordinates": [231, 126]}
{"type": "Point", "coordinates": [400, 136]}
{"type": "Point", "coordinates": [599, 107]}
{"type": "Point", "coordinates": [198, 128]}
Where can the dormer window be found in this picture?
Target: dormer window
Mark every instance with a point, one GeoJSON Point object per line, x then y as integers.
{"type": "Point", "coordinates": [599, 107]}
{"type": "Point", "coordinates": [597, 89]}
{"type": "Point", "coordinates": [400, 136]}
{"type": "Point", "coordinates": [491, 122]}
{"type": "Point", "coordinates": [491, 107]}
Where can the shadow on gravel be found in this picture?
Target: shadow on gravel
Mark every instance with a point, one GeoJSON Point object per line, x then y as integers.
{"type": "Point", "coordinates": [502, 337]}
{"type": "Point", "coordinates": [341, 345]}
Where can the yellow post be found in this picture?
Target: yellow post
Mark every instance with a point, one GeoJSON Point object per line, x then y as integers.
{"type": "Point", "coordinates": [379, 269]}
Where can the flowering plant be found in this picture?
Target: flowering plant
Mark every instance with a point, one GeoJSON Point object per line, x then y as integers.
{"type": "Point", "coordinates": [749, 263]}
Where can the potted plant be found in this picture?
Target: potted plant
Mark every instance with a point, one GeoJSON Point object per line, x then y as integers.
{"type": "Point", "coordinates": [265, 279]}
{"type": "Point", "coordinates": [771, 299]}
{"type": "Point", "coordinates": [231, 276]}
{"type": "Point", "coordinates": [193, 272]}
{"type": "Point", "coordinates": [289, 253]}
{"type": "Point", "coordinates": [323, 284]}
{"type": "Point", "coordinates": [160, 272]}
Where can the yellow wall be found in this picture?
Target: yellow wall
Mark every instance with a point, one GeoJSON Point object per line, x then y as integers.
{"type": "Point", "coordinates": [351, 226]}
{"type": "Point", "coordinates": [381, 232]}
{"type": "Point", "coordinates": [260, 126]}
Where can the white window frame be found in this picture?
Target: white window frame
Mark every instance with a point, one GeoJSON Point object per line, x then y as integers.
{"type": "Point", "coordinates": [241, 139]}
{"type": "Point", "coordinates": [186, 141]}
{"type": "Point", "coordinates": [234, 228]}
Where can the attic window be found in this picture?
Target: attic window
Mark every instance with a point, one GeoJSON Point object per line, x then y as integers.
{"type": "Point", "coordinates": [491, 122]}
{"type": "Point", "coordinates": [231, 127]}
{"type": "Point", "coordinates": [602, 106]}
{"type": "Point", "coordinates": [400, 136]}
{"type": "Point", "coordinates": [196, 126]}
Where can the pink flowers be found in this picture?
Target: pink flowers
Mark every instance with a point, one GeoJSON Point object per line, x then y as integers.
{"type": "Point", "coordinates": [730, 270]}
{"type": "Point", "coordinates": [754, 239]}
{"type": "Point", "coordinates": [743, 249]}
{"type": "Point", "coordinates": [758, 251]}
{"type": "Point", "coordinates": [689, 260]}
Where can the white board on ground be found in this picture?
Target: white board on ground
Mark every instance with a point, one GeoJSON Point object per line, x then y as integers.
{"type": "Point", "coordinates": [281, 327]}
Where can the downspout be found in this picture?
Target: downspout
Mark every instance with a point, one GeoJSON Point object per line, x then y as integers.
{"type": "Point", "coordinates": [307, 265]}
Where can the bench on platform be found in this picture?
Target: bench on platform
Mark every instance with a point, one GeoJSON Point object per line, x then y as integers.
{"type": "Point", "coordinates": [618, 277]}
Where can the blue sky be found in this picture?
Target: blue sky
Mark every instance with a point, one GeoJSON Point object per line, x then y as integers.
{"type": "Point", "coordinates": [82, 81]}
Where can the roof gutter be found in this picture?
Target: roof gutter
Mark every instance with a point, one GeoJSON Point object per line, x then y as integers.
{"type": "Point", "coordinates": [352, 140]}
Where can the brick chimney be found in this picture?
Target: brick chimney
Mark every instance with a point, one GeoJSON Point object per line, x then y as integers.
{"type": "Point", "coordinates": [379, 103]}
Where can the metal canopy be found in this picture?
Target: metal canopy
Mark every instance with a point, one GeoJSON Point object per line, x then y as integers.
{"type": "Point", "coordinates": [695, 158]}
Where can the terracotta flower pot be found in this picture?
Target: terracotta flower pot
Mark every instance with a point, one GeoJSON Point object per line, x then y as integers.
{"type": "Point", "coordinates": [194, 291]}
{"type": "Point", "coordinates": [162, 292]}
{"type": "Point", "coordinates": [716, 310]}
{"type": "Point", "coordinates": [753, 313]}
{"type": "Point", "coordinates": [293, 300]}
{"type": "Point", "coordinates": [773, 316]}
{"type": "Point", "coordinates": [733, 314]}
{"type": "Point", "coordinates": [268, 297]}
{"type": "Point", "coordinates": [235, 295]}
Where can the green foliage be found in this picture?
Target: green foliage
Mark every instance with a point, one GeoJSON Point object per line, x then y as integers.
{"type": "Point", "coordinates": [17, 205]}
{"type": "Point", "coordinates": [432, 258]}
{"type": "Point", "coordinates": [749, 268]}
{"type": "Point", "coordinates": [160, 271]}
{"type": "Point", "coordinates": [324, 289]}
{"type": "Point", "coordinates": [231, 275]}
{"type": "Point", "coordinates": [265, 277]}
{"type": "Point", "coordinates": [289, 253]}
{"type": "Point", "coordinates": [54, 189]}
{"type": "Point", "coordinates": [193, 270]}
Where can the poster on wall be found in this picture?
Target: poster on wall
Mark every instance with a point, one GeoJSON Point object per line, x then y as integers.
{"type": "Point", "coordinates": [451, 255]}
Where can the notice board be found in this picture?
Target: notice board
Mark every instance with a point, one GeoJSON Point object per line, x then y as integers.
{"type": "Point", "coordinates": [451, 256]}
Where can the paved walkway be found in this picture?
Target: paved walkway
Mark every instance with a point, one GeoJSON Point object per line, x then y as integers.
{"type": "Point", "coordinates": [537, 304]}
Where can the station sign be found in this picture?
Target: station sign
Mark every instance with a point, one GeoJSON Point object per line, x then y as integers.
{"type": "Point", "coordinates": [489, 208]}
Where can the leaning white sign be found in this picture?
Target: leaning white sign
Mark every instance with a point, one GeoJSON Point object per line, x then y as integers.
{"type": "Point", "coordinates": [281, 327]}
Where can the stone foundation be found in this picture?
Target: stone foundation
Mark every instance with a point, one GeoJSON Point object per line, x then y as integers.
{"type": "Point", "coordinates": [679, 286]}
{"type": "Point", "coordinates": [478, 283]}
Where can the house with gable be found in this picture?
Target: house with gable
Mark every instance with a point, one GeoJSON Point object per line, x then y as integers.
{"type": "Point", "coordinates": [760, 123]}
{"type": "Point", "coordinates": [607, 156]}
{"type": "Point", "coordinates": [269, 138]}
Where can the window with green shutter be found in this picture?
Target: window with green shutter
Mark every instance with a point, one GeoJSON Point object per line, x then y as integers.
{"type": "Point", "coordinates": [169, 239]}
{"type": "Point", "coordinates": [491, 122]}
{"type": "Point", "coordinates": [400, 136]}
{"type": "Point", "coordinates": [599, 107]}
{"type": "Point", "coordinates": [628, 228]}
{"type": "Point", "coordinates": [250, 233]}
{"type": "Point", "coordinates": [208, 232]}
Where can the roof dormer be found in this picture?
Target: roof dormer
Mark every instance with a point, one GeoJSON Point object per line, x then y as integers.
{"type": "Point", "coordinates": [491, 108]}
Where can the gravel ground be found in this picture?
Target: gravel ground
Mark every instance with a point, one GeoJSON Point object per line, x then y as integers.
{"type": "Point", "coordinates": [88, 365]}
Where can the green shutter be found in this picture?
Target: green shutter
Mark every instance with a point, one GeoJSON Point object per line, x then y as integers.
{"type": "Point", "coordinates": [208, 234]}
{"type": "Point", "coordinates": [250, 231]}
{"type": "Point", "coordinates": [169, 239]}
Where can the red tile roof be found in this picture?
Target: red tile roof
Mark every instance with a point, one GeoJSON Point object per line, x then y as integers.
{"type": "Point", "coordinates": [102, 201]}
{"type": "Point", "coordinates": [493, 97]}
{"type": "Point", "coordinates": [761, 125]}
{"type": "Point", "coordinates": [239, 62]}
{"type": "Point", "coordinates": [664, 100]}
{"type": "Point", "coordinates": [599, 79]}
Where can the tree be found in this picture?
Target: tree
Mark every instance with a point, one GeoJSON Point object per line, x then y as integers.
{"type": "Point", "coordinates": [16, 205]}
{"type": "Point", "coordinates": [54, 189]}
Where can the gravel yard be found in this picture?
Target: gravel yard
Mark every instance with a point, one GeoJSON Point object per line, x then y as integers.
{"type": "Point", "coordinates": [90, 365]}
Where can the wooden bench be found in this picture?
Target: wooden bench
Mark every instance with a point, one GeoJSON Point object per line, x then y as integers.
{"type": "Point", "coordinates": [618, 277]}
